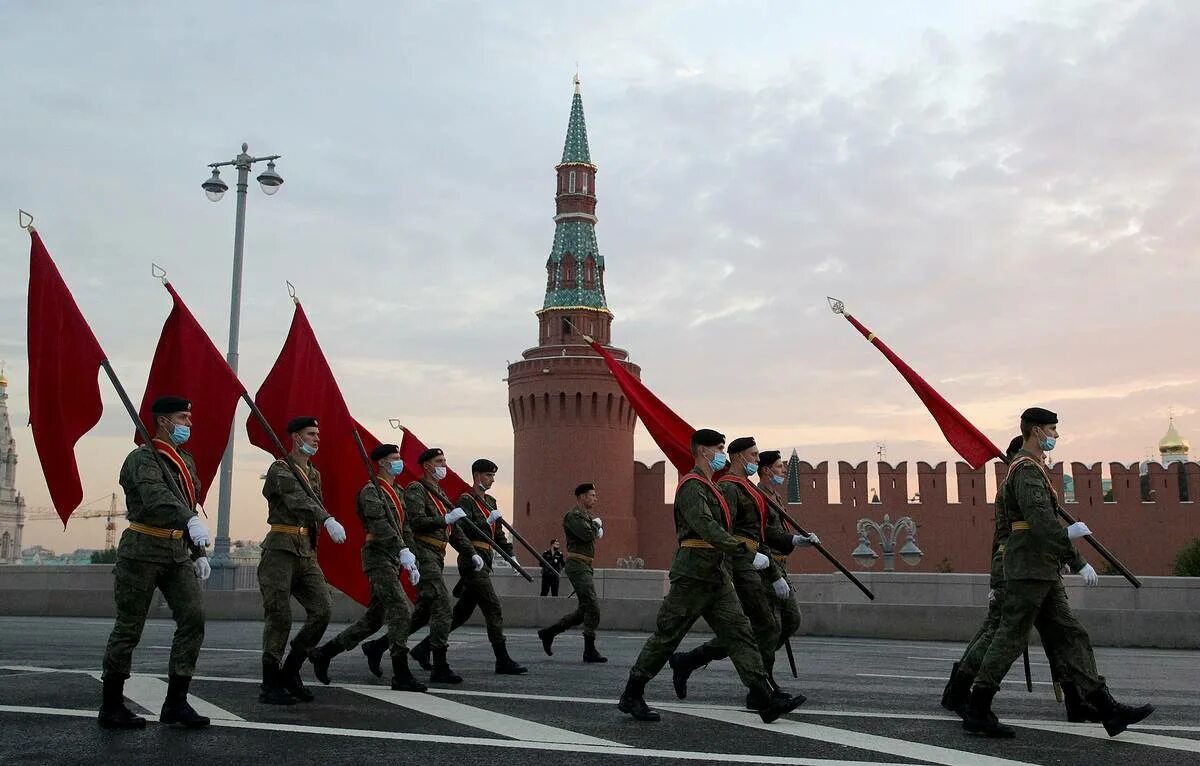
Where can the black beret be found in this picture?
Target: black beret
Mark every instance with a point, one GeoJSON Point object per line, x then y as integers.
{"type": "Point", "coordinates": [740, 444]}
{"type": "Point", "coordinates": [483, 465]}
{"type": "Point", "coordinates": [383, 450]}
{"type": "Point", "coordinates": [706, 437]}
{"type": "Point", "coordinates": [430, 454]}
{"type": "Point", "coordinates": [1039, 417]}
{"type": "Point", "coordinates": [169, 405]}
{"type": "Point", "coordinates": [1014, 446]}
{"type": "Point", "coordinates": [301, 423]}
{"type": "Point", "coordinates": [768, 458]}
{"type": "Point", "coordinates": [584, 488]}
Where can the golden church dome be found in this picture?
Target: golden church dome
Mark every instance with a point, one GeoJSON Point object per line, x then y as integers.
{"type": "Point", "coordinates": [1173, 443]}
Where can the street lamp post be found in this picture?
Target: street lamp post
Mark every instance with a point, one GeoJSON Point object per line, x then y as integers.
{"type": "Point", "coordinates": [215, 189]}
{"type": "Point", "coordinates": [887, 532]}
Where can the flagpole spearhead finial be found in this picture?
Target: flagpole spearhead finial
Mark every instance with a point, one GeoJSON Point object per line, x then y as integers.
{"type": "Point", "coordinates": [292, 292]}
{"type": "Point", "coordinates": [25, 220]}
{"type": "Point", "coordinates": [158, 272]}
{"type": "Point", "coordinates": [395, 423]}
{"type": "Point", "coordinates": [836, 305]}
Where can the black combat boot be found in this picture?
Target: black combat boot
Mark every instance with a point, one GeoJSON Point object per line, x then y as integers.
{"type": "Point", "coordinates": [442, 674]}
{"type": "Point", "coordinates": [402, 677]}
{"type": "Point", "coordinates": [978, 717]}
{"type": "Point", "coordinates": [321, 657]}
{"type": "Point", "coordinates": [505, 665]}
{"type": "Point", "coordinates": [589, 650]}
{"type": "Point", "coordinates": [769, 705]}
{"type": "Point", "coordinates": [1115, 716]}
{"type": "Point", "coordinates": [958, 688]}
{"type": "Point", "coordinates": [683, 664]}
{"type": "Point", "coordinates": [175, 707]}
{"type": "Point", "coordinates": [113, 713]}
{"type": "Point", "coordinates": [1079, 710]}
{"type": "Point", "coordinates": [421, 653]}
{"type": "Point", "coordinates": [547, 635]}
{"type": "Point", "coordinates": [374, 652]}
{"type": "Point", "coordinates": [290, 675]}
{"type": "Point", "coordinates": [273, 692]}
{"type": "Point", "coordinates": [633, 703]}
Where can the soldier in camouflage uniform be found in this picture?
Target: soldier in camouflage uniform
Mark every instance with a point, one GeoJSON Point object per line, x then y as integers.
{"type": "Point", "coordinates": [475, 585]}
{"type": "Point", "coordinates": [1034, 555]}
{"type": "Point", "coordinates": [582, 529]}
{"type": "Point", "coordinates": [701, 587]}
{"type": "Point", "coordinates": [758, 591]}
{"type": "Point", "coordinates": [385, 552]}
{"type": "Point", "coordinates": [434, 522]}
{"type": "Point", "coordinates": [156, 552]}
{"type": "Point", "coordinates": [772, 473]}
{"type": "Point", "coordinates": [288, 567]}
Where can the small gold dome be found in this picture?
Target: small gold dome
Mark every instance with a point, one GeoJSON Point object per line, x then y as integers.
{"type": "Point", "coordinates": [1173, 443]}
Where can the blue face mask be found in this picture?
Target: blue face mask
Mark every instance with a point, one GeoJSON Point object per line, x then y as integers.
{"type": "Point", "coordinates": [1047, 443]}
{"type": "Point", "coordinates": [180, 434]}
{"type": "Point", "coordinates": [777, 480]}
{"type": "Point", "coordinates": [396, 467]}
{"type": "Point", "coordinates": [308, 449]}
{"type": "Point", "coordinates": [751, 469]}
{"type": "Point", "coordinates": [718, 461]}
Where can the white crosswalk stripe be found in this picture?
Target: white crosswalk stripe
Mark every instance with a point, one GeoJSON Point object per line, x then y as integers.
{"type": "Point", "coordinates": [150, 692]}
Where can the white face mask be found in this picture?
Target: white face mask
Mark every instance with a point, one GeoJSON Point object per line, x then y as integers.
{"type": "Point", "coordinates": [439, 473]}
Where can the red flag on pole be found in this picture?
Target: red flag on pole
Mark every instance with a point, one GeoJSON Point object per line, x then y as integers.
{"type": "Point", "coordinates": [967, 440]}
{"type": "Point", "coordinates": [64, 366]}
{"type": "Point", "coordinates": [670, 432]}
{"type": "Point", "coordinates": [301, 383]}
{"type": "Point", "coordinates": [187, 364]}
{"type": "Point", "coordinates": [411, 448]}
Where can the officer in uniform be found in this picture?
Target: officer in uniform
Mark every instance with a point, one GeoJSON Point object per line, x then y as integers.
{"type": "Point", "coordinates": [701, 587]}
{"type": "Point", "coordinates": [1034, 555]}
{"type": "Point", "coordinates": [288, 568]}
{"type": "Point", "coordinates": [474, 586]}
{"type": "Point", "coordinates": [385, 551]}
{"type": "Point", "coordinates": [582, 529]}
{"type": "Point", "coordinates": [155, 552]}
{"type": "Point", "coordinates": [550, 574]}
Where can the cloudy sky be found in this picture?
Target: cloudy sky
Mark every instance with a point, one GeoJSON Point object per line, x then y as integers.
{"type": "Point", "coordinates": [1005, 192]}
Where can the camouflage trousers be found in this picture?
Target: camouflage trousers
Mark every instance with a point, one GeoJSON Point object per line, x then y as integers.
{"type": "Point", "coordinates": [389, 605]}
{"type": "Point", "coordinates": [976, 650]}
{"type": "Point", "coordinates": [1024, 604]}
{"type": "Point", "coordinates": [477, 591]}
{"type": "Point", "coordinates": [588, 612]}
{"type": "Point", "coordinates": [687, 601]}
{"type": "Point", "coordinates": [133, 591]}
{"type": "Point", "coordinates": [283, 576]}
{"type": "Point", "coordinates": [759, 605]}
{"type": "Point", "coordinates": [433, 599]}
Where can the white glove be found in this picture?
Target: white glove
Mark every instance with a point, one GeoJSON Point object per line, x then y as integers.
{"type": "Point", "coordinates": [407, 559]}
{"type": "Point", "coordinates": [455, 515]}
{"type": "Point", "coordinates": [809, 539]}
{"type": "Point", "coordinates": [202, 567]}
{"type": "Point", "coordinates": [813, 539]}
{"type": "Point", "coordinates": [1089, 575]}
{"type": "Point", "coordinates": [598, 522]}
{"type": "Point", "coordinates": [198, 532]}
{"type": "Point", "coordinates": [1078, 530]}
{"type": "Point", "coordinates": [414, 574]}
{"type": "Point", "coordinates": [991, 596]}
{"type": "Point", "coordinates": [477, 560]}
{"type": "Point", "coordinates": [782, 589]}
{"type": "Point", "coordinates": [761, 562]}
{"type": "Point", "coordinates": [494, 516]}
{"type": "Point", "coordinates": [336, 531]}
{"type": "Point", "coordinates": [599, 532]}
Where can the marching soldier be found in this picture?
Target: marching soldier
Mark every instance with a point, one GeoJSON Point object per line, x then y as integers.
{"type": "Point", "coordinates": [385, 552]}
{"type": "Point", "coordinates": [475, 585]}
{"type": "Point", "coordinates": [154, 553]}
{"type": "Point", "coordinates": [701, 587]}
{"type": "Point", "coordinates": [772, 473]}
{"type": "Point", "coordinates": [288, 568]}
{"type": "Point", "coordinates": [1034, 554]}
{"type": "Point", "coordinates": [582, 529]}
{"type": "Point", "coordinates": [756, 591]}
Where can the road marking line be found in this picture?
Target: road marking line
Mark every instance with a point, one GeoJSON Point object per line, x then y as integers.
{"type": "Point", "coordinates": [857, 739]}
{"type": "Point", "coordinates": [212, 649]}
{"type": "Point", "coordinates": [950, 659]}
{"type": "Point", "coordinates": [150, 692]}
{"type": "Point", "coordinates": [1130, 737]}
{"type": "Point", "coordinates": [479, 718]}
{"type": "Point", "coordinates": [511, 744]}
{"type": "Point", "coordinates": [941, 678]}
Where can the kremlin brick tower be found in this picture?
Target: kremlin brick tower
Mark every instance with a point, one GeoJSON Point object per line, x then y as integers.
{"type": "Point", "coordinates": [571, 423]}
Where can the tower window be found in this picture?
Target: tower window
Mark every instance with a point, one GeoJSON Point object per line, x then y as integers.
{"type": "Point", "coordinates": [571, 183]}
{"type": "Point", "coordinates": [585, 183]}
{"type": "Point", "coordinates": [566, 326]}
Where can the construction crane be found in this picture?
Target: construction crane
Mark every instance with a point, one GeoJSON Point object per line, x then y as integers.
{"type": "Point", "coordinates": [109, 514]}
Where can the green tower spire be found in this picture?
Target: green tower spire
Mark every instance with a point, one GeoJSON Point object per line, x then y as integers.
{"type": "Point", "coordinates": [576, 147]}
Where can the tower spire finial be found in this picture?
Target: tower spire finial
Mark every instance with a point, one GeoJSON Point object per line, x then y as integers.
{"type": "Point", "coordinates": [577, 80]}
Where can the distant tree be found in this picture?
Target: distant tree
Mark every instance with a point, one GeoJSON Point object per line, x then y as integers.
{"type": "Point", "coordinates": [1187, 561]}
{"type": "Point", "coordinates": [108, 556]}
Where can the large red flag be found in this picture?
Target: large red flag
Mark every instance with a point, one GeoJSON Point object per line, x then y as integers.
{"type": "Point", "coordinates": [411, 448]}
{"type": "Point", "coordinates": [670, 432]}
{"type": "Point", "coordinates": [965, 438]}
{"type": "Point", "coordinates": [187, 364]}
{"type": "Point", "coordinates": [64, 363]}
{"type": "Point", "coordinates": [301, 383]}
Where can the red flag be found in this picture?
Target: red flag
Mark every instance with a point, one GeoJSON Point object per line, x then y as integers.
{"type": "Point", "coordinates": [64, 393]}
{"type": "Point", "coordinates": [671, 432]}
{"type": "Point", "coordinates": [301, 383]}
{"type": "Point", "coordinates": [965, 438]}
{"type": "Point", "coordinates": [187, 364]}
{"type": "Point", "coordinates": [411, 448]}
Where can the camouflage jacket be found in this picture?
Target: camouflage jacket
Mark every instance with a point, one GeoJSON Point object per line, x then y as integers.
{"type": "Point", "coordinates": [289, 504]}
{"type": "Point", "coordinates": [1038, 550]}
{"type": "Point", "coordinates": [155, 500]}
{"type": "Point", "coordinates": [702, 530]}
{"type": "Point", "coordinates": [428, 521]}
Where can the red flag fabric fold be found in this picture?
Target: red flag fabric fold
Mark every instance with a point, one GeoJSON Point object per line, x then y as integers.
{"type": "Point", "coordinates": [967, 440]}
{"type": "Point", "coordinates": [670, 432]}
{"type": "Point", "coordinates": [64, 366]}
{"type": "Point", "coordinates": [187, 364]}
{"type": "Point", "coordinates": [411, 448]}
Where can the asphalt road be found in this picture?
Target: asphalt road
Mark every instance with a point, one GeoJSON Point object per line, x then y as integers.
{"type": "Point", "coordinates": [870, 702]}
